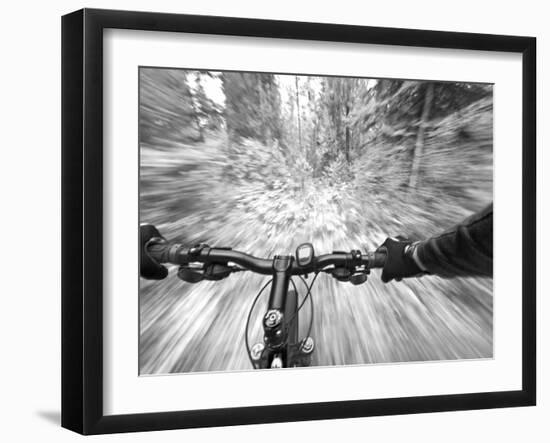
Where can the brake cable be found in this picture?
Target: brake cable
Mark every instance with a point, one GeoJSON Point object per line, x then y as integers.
{"type": "Point", "coordinates": [248, 321]}
{"type": "Point", "coordinates": [311, 302]}
{"type": "Point", "coordinates": [308, 295]}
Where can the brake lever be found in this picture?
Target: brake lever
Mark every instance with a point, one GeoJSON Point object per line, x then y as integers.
{"type": "Point", "coordinates": [346, 275]}
{"type": "Point", "coordinates": [358, 278]}
{"type": "Point", "coordinates": [216, 271]}
{"type": "Point", "coordinates": [341, 274]}
{"type": "Point", "coordinates": [212, 272]}
{"type": "Point", "coordinates": [190, 275]}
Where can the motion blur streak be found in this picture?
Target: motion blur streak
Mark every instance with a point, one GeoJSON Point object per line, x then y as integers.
{"type": "Point", "coordinates": [340, 163]}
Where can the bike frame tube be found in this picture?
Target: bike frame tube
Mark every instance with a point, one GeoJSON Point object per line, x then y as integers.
{"type": "Point", "coordinates": [275, 332]}
{"type": "Point", "coordinates": [282, 270]}
{"type": "Point", "coordinates": [279, 289]}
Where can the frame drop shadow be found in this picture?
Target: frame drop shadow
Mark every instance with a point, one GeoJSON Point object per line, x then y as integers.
{"type": "Point", "coordinates": [53, 417]}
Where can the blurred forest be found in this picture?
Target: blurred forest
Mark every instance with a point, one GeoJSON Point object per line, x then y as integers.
{"type": "Point", "coordinates": [262, 162]}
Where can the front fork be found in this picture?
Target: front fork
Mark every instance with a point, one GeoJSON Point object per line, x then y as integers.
{"type": "Point", "coordinates": [275, 351]}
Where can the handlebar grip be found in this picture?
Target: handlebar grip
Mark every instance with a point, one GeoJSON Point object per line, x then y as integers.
{"type": "Point", "coordinates": [165, 252]}
{"type": "Point", "coordinates": [378, 258]}
{"type": "Point", "coordinates": [158, 251]}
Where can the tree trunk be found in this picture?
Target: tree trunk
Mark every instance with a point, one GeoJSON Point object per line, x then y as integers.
{"type": "Point", "coordinates": [347, 134]}
{"type": "Point", "coordinates": [298, 114]}
{"type": "Point", "coordinates": [419, 145]}
{"type": "Point", "coordinates": [199, 127]}
{"type": "Point", "coordinates": [261, 108]}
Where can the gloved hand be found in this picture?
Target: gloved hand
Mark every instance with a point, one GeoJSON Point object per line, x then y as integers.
{"type": "Point", "coordinates": [399, 260]}
{"type": "Point", "coordinates": [148, 267]}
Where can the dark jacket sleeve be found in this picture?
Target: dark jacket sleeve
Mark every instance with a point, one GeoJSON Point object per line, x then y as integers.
{"type": "Point", "coordinates": [465, 250]}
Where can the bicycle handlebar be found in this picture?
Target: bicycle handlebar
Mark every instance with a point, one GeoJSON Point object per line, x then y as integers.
{"type": "Point", "coordinates": [177, 254]}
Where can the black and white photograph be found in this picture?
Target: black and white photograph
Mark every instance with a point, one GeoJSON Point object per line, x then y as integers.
{"type": "Point", "coordinates": [287, 218]}
{"type": "Point", "coordinates": [292, 221]}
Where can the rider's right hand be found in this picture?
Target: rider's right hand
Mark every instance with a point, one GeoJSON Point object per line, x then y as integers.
{"type": "Point", "coordinates": [399, 260]}
{"type": "Point", "coordinates": [149, 268]}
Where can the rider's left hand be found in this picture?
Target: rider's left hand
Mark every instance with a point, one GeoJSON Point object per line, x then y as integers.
{"type": "Point", "coordinates": [149, 268]}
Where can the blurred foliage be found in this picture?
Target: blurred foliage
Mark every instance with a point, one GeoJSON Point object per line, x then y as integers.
{"type": "Point", "coordinates": [252, 108]}
{"type": "Point", "coordinates": [166, 106]}
{"type": "Point", "coordinates": [338, 162]}
{"type": "Point", "coordinates": [172, 110]}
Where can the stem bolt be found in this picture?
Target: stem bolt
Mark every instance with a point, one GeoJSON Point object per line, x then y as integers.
{"type": "Point", "coordinates": [273, 318]}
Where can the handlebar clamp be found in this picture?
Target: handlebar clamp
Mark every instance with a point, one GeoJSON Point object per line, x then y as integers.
{"type": "Point", "coordinates": [351, 271]}
{"type": "Point", "coordinates": [212, 272]}
{"type": "Point", "coordinates": [355, 257]}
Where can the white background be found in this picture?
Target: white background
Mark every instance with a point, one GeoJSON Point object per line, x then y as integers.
{"type": "Point", "coordinates": [30, 187]}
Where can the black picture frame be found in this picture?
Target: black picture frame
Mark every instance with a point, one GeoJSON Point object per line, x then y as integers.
{"type": "Point", "coordinates": [82, 220]}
